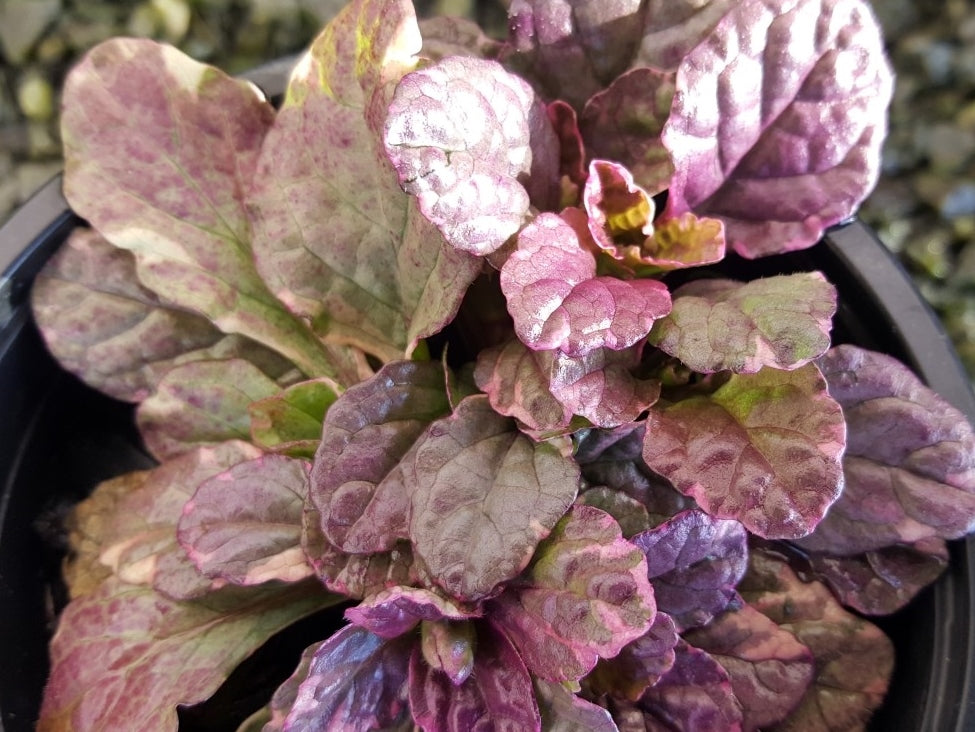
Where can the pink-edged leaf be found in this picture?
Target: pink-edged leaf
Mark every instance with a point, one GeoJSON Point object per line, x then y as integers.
{"type": "Point", "coordinates": [483, 497]}
{"type": "Point", "coordinates": [674, 27]}
{"type": "Point", "coordinates": [202, 403]}
{"type": "Point", "coordinates": [395, 611]}
{"type": "Point", "coordinates": [356, 480]}
{"type": "Point", "coordinates": [694, 562]}
{"type": "Point", "coordinates": [882, 581]}
{"type": "Point", "coordinates": [290, 422]}
{"type": "Point", "coordinates": [445, 36]}
{"type": "Point", "coordinates": [797, 138]}
{"type": "Point", "coordinates": [353, 681]}
{"type": "Point", "coordinates": [244, 524]}
{"type": "Point", "coordinates": [764, 449]}
{"type": "Point", "coordinates": [639, 665]}
{"type": "Point", "coordinates": [573, 49]}
{"type": "Point", "coordinates": [619, 210]}
{"type": "Point", "coordinates": [624, 122]}
{"type": "Point", "coordinates": [126, 656]}
{"type": "Point", "coordinates": [159, 150]}
{"type": "Point", "coordinates": [909, 463]}
{"type": "Point", "coordinates": [584, 597]}
{"type": "Point", "coordinates": [449, 647]}
{"type": "Point", "coordinates": [614, 458]}
{"type": "Point", "coordinates": [116, 335]}
{"type": "Point", "coordinates": [334, 235]}
{"type": "Point", "coordinates": [497, 695]}
{"type": "Point", "coordinates": [572, 150]}
{"type": "Point", "coordinates": [563, 711]}
{"type": "Point", "coordinates": [770, 669]}
{"type": "Point", "coordinates": [696, 694]}
{"type": "Point", "coordinates": [558, 302]}
{"type": "Point", "coordinates": [630, 514]}
{"type": "Point", "coordinates": [715, 325]}
{"type": "Point", "coordinates": [466, 138]}
{"type": "Point", "coordinates": [854, 659]}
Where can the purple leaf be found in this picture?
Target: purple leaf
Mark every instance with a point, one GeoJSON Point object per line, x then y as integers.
{"type": "Point", "coordinates": [695, 694]}
{"type": "Point", "coordinates": [290, 422]}
{"type": "Point", "coordinates": [449, 647]}
{"type": "Point", "coordinates": [694, 561]}
{"type": "Point", "coordinates": [585, 596]}
{"type": "Point", "coordinates": [770, 669]}
{"type": "Point", "coordinates": [398, 610]}
{"type": "Point", "coordinates": [624, 122]}
{"type": "Point", "coordinates": [354, 681]}
{"type": "Point", "coordinates": [782, 322]}
{"type": "Point", "coordinates": [909, 463]}
{"type": "Point", "coordinates": [574, 48]}
{"type": "Point", "coordinates": [763, 448]}
{"type": "Point", "coordinates": [558, 302]}
{"type": "Point", "coordinates": [639, 665]}
{"type": "Point", "coordinates": [782, 109]}
{"type": "Point", "coordinates": [463, 135]}
{"type": "Point", "coordinates": [483, 497]}
{"type": "Point", "coordinates": [244, 525]}
{"type": "Point", "coordinates": [572, 157]}
{"type": "Point", "coordinates": [158, 152]}
{"type": "Point", "coordinates": [882, 581]}
{"type": "Point", "coordinates": [334, 235]}
{"type": "Point", "coordinates": [201, 403]}
{"type": "Point", "coordinates": [126, 656]}
{"type": "Point", "coordinates": [356, 480]}
{"type": "Point", "coordinates": [854, 659]}
{"type": "Point", "coordinates": [497, 695]}
{"type": "Point", "coordinates": [445, 36]}
{"type": "Point", "coordinates": [674, 27]}
{"type": "Point", "coordinates": [563, 711]}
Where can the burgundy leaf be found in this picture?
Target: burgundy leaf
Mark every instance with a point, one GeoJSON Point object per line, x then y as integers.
{"type": "Point", "coordinates": [624, 122]}
{"type": "Point", "coordinates": [770, 669]}
{"type": "Point", "coordinates": [483, 497]}
{"type": "Point", "coordinates": [910, 458]}
{"type": "Point", "coordinates": [354, 681]}
{"type": "Point", "coordinates": [585, 596]}
{"type": "Point", "coordinates": [639, 665]}
{"type": "Point", "coordinates": [463, 135]}
{"type": "Point", "coordinates": [782, 321]}
{"type": "Point", "coordinates": [763, 448]}
{"type": "Point", "coordinates": [629, 513]}
{"type": "Point", "coordinates": [497, 695]}
{"type": "Point", "coordinates": [748, 135]}
{"type": "Point", "coordinates": [398, 610]}
{"type": "Point", "coordinates": [694, 561]}
{"type": "Point", "coordinates": [244, 525]}
{"type": "Point", "coordinates": [557, 301]}
{"type": "Point", "coordinates": [572, 158]}
{"type": "Point", "coordinates": [356, 481]}
{"type": "Point", "coordinates": [563, 711]}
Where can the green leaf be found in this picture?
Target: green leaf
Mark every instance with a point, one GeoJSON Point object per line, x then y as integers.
{"type": "Point", "coordinates": [290, 422]}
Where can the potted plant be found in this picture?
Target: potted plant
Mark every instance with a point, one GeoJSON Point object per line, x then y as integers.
{"type": "Point", "coordinates": [456, 337]}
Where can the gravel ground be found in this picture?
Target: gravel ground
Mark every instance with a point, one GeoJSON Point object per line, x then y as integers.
{"type": "Point", "coordinates": [923, 209]}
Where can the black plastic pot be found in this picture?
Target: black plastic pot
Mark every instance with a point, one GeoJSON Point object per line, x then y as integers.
{"type": "Point", "coordinates": [58, 439]}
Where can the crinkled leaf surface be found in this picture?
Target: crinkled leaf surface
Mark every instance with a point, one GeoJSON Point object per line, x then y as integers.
{"type": "Point", "coordinates": [782, 321]}
{"type": "Point", "coordinates": [126, 656]}
{"type": "Point", "coordinates": [694, 561]}
{"type": "Point", "coordinates": [355, 680]}
{"type": "Point", "coordinates": [574, 48]}
{"type": "Point", "coordinates": [445, 36]}
{"type": "Point", "coordinates": [882, 581]}
{"type": "Point", "coordinates": [623, 123]}
{"type": "Point", "coordinates": [356, 481]}
{"type": "Point", "coordinates": [115, 334]}
{"type": "Point", "coordinates": [639, 665]}
{"type": "Point", "coordinates": [751, 134]}
{"type": "Point", "coordinates": [854, 659]}
{"type": "Point", "coordinates": [466, 137]}
{"type": "Point", "coordinates": [335, 237]}
{"type": "Point", "coordinates": [202, 403]}
{"type": "Point", "coordinates": [563, 711]}
{"type": "Point", "coordinates": [763, 448]}
{"type": "Point", "coordinates": [483, 497]}
{"type": "Point", "coordinates": [909, 463]}
{"type": "Point", "coordinates": [159, 150]}
{"type": "Point", "coordinates": [770, 669]}
{"type": "Point", "coordinates": [674, 27]}
{"type": "Point", "coordinates": [584, 597]}
{"type": "Point", "coordinates": [244, 524]}
{"type": "Point", "coordinates": [558, 302]}
{"type": "Point", "coordinates": [396, 611]}
{"type": "Point", "coordinates": [290, 422]}
{"type": "Point", "coordinates": [497, 695]}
